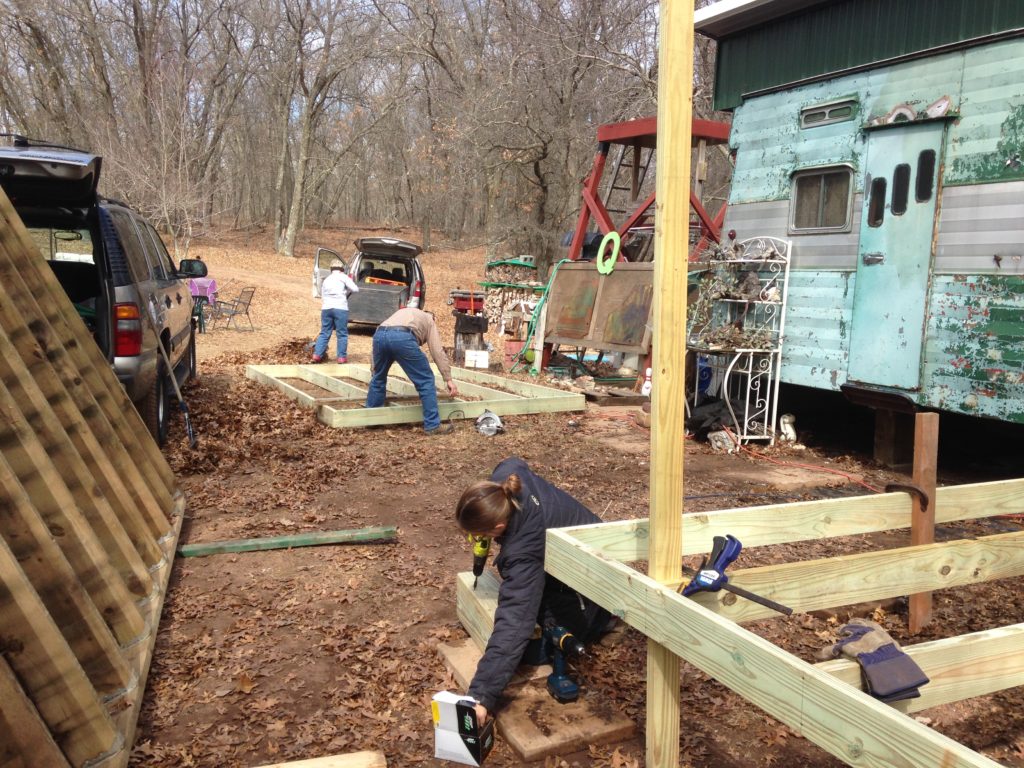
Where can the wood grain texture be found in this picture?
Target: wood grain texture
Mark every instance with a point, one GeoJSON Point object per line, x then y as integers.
{"type": "Point", "coordinates": [812, 702]}
{"type": "Point", "coordinates": [816, 584]}
{"type": "Point", "coordinates": [922, 522]}
{"type": "Point", "coordinates": [366, 759]}
{"type": "Point", "coordinates": [475, 607]}
{"type": "Point", "coordinates": [627, 540]}
{"type": "Point", "coordinates": [958, 667]}
{"type": "Point", "coordinates": [27, 741]}
{"type": "Point", "coordinates": [671, 254]}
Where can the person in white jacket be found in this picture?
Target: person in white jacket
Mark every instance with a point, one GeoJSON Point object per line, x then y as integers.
{"type": "Point", "coordinates": [334, 312]}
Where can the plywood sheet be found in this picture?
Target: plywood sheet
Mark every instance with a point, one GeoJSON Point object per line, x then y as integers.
{"type": "Point", "coordinates": [612, 312]}
{"type": "Point", "coordinates": [533, 723]}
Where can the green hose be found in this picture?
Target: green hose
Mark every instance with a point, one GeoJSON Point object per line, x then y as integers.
{"type": "Point", "coordinates": [536, 318]}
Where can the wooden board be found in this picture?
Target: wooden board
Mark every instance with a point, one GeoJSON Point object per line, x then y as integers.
{"type": "Point", "coordinates": [352, 760]}
{"type": "Point", "coordinates": [533, 723]}
{"type": "Point", "coordinates": [613, 312]}
{"type": "Point", "coordinates": [502, 396]}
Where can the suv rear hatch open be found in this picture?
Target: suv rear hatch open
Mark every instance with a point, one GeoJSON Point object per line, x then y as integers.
{"type": "Point", "coordinates": [389, 277]}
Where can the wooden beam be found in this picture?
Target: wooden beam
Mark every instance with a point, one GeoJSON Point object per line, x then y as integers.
{"type": "Point", "coordinates": [72, 447]}
{"type": "Point", "coordinates": [377, 533]}
{"type": "Point", "coordinates": [671, 246]}
{"type": "Point", "coordinates": [627, 540]}
{"type": "Point", "coordinates": [36, 293]}
{"type": "Point", "coordinates": [805, 698]}
{"type": "Point", "coordinates": [110, 570]}
{"type": "Point", "coordinates": [366, 759]}
{"type": "Point", "coordinates": [922, 524]}
{"type": "Point", "coordinates": [958, 667]}
{"type": "Point", "coordinates": [60, 590]}
{"type": "Point", "coordinates": [28, 735]}
{"type": "Point", "coordinates": [816, 584]}
{"type": "Point", "coordinates": [49, 671]}
{"type": "Point", "coordinates": [475, 607]}
{"type": "Point", "coordinates": [93, 437]}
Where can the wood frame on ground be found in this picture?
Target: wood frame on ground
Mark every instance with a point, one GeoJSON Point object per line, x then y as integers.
{"type": "Point", "coordinates": [497, 394]}
{"type": "Point", "coordinates": [821, 702]}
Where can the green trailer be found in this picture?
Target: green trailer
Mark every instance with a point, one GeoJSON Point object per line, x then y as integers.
{"type": "Point", "coordinates": [885, 140]}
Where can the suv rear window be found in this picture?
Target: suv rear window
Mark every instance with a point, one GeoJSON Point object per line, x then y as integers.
{"type": "Point", "coordinates": [391, 270]}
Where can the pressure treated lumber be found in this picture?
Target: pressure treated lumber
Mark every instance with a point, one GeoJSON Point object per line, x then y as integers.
{"type": "Point", "coordinates": [922, 513]}
{"type": "Point", "coordinates": [368, 759]}
{"type": "Point", "coordinates": [475, 607]}
{"type": "Point", "coordinates": [671, 246]}
{"type": "Point", "coordinates": [46, 665]}
{"type": "Point", "coordinates": [37, 294]}
{"type": "Point", "coordinates": [520, 397]}
{"type": "Point", "coordinates": [627, 540]}
{"type": "Point", "coordinates": [378, 533]}
{"type": "Point", "coordinates": [66, 600]}
{"type": "Point", "coordinates": [532, 722]}
{"type": "Point", "coordinates": [816, 584]}
{"type": "Point", "coordinates": [807, 699]}
{"type": "Point", "coordinates": [958, 667]}
{"type": "Point", "coordinates": [26, 733]}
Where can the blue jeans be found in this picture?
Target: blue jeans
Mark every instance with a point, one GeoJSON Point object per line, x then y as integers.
{"type": "Point", "coordinates": [391, 345]}
{"type": "Point", "coordinates": [332, 320]}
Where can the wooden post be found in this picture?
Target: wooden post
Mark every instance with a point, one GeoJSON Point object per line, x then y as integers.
{"type": "Point", "coordinates": [922, 521]}
{"type": "Point", "coordinates": [671, 238]}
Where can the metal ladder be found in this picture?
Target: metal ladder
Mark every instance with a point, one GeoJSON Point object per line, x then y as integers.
{"type": "Point", "coordinates": [635, 171]}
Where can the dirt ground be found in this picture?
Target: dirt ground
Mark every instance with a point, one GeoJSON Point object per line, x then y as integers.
{"type": "Point", "coordinates": [292, 654]}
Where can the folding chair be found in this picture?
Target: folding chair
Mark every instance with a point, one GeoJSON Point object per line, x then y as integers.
{"type": "Point", "coordinates": [231, 310]}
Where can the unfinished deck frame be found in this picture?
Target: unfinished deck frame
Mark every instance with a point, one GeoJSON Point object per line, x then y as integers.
{"type": "Point", "coordinates": [821, 702]}
{"type": "Point", "coordinates": [89, 518]}
{"type": "Point", "coordinates": [519, 397]}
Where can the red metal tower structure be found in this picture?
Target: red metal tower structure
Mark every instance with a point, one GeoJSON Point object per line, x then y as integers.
{"type": "Point", "coordinates": [639, 135]}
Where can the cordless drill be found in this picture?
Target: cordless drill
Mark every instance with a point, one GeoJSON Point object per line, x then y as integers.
{"type": "Point", "coordinates": [561, 643]}
{"type": "Point", "coordinates": [481, 548]}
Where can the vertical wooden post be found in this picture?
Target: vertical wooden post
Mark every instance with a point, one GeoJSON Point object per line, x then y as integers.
{"type": "Point", "coordinates": [922, 521]}
{"type": "Point", "coordinates": [671, 240]}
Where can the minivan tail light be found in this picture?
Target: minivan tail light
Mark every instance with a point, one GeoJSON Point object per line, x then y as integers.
{"type": "Point", "coordinates": [127, 330]}
{"type": "Point", "coordinates": [417, 292]}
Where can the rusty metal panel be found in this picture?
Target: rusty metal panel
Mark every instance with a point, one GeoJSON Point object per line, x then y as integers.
{"type": "Point", "coordinates": [847, 34]}
{"type": "Point", "coordinates": [974, 358]}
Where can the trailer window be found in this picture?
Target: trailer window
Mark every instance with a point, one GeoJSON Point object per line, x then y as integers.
{"type": "Point", "coordinates": [821, 200]}
{"type": "Point", "coordinates": [925, 175]}
{"type": "Point", "coordinates": [823, 114]}
{"type": "Point", "coordinates": [900, 189]}
{"type": "Point", "coordinates": [876, 207]}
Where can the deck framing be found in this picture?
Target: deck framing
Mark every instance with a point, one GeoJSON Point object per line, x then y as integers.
{"type": "Point", "coordinates": [497, 394]}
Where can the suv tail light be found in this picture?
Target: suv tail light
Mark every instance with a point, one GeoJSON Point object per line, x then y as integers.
{"type": "Point", "coordinates": [417, 292]}
{"type": "Point", "coordinates": [127, 330]}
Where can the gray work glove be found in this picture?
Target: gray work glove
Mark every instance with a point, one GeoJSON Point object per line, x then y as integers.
{"type": "Point", "coordinates": [889, 674]}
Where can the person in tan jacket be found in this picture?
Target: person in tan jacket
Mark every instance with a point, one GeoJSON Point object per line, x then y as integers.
{"type": "Point", "coordinates": [398, 339]}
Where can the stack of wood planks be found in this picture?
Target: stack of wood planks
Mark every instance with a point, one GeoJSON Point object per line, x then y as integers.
{"type": "Point", "coordinates": [89, 518]}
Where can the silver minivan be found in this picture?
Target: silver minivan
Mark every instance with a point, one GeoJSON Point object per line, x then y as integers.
{"type": "Point", "coordinates": [114, 268]}
{"type": "Point", "coordinates": [388, 273]}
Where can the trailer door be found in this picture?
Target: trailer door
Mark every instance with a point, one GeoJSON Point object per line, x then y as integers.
{"type": "Point", "coordinates": [890, 299]}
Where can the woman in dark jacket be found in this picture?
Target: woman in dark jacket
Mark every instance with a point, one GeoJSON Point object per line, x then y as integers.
{"type": "Point", "coordinates": [515, 507]}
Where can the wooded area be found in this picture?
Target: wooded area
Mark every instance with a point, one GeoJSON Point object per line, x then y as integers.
{"type": "Point", "coordinates": [469, 116]}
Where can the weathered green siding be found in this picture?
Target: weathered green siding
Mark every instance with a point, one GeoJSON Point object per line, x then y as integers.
{"type": "Point", "coordinates": [986, 86]}
{"type": "Point", "coordinates": [974, 359]}
{"type": "Point", "coordinates": [816, 346]}
{"type": "Point", "coordinates": [850, 33]}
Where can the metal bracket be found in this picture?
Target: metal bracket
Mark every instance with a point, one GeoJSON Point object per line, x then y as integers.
{"type": "Point", "coordinates": [913, 490]}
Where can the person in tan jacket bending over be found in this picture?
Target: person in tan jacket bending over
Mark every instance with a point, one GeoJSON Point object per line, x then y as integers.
{"type": "Point", "coordinates": [398, 339]}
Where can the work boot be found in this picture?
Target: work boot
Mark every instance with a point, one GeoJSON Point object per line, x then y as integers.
{"type": "Point", "coordinates": [444, 429]}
